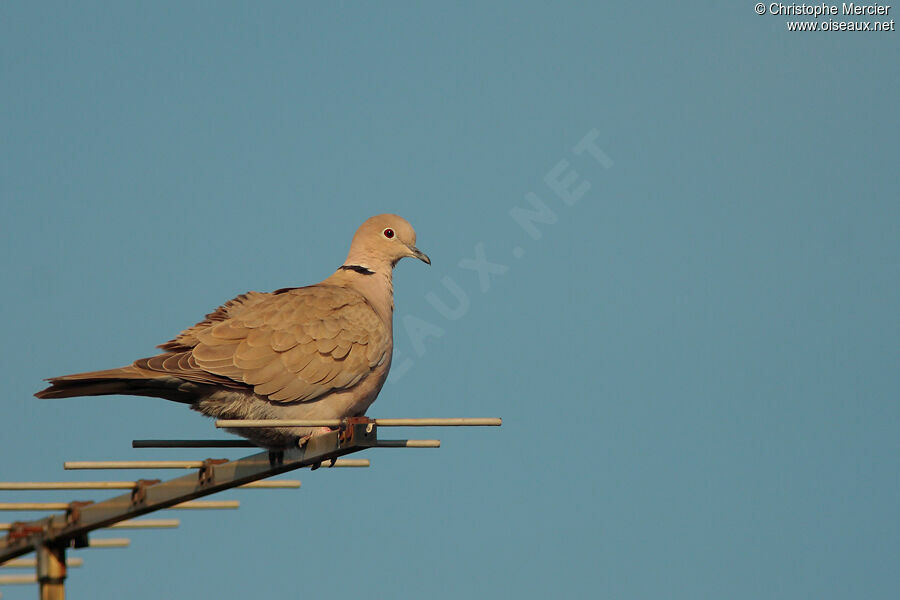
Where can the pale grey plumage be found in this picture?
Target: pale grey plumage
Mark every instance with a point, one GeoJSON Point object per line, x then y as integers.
{"type": "Point", "coordinates": [322, 351]}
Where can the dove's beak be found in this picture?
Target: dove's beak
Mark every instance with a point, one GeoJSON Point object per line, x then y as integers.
{"type": "Point", "coordinates": [419, 254]}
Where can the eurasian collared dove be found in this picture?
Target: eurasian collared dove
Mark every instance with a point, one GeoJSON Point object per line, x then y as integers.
{"type": "Point", "coordinates": [316, 352]}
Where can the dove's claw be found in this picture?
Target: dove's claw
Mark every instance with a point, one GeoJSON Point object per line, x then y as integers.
{"type": "Point", "coordinates": [276, 458]}
{"type": "Point", "coordinates": [302, 441]}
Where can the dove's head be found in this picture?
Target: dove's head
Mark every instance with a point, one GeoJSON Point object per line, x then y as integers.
{"type": "Point", "coordinates": [384, 240]}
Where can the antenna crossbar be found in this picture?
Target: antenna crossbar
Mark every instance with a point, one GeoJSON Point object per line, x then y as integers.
{"type": "Point", "coordinates": [82, 518]}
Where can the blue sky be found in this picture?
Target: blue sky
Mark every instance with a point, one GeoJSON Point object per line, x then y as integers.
{"type": "Point", "coordinates": [696, 361]}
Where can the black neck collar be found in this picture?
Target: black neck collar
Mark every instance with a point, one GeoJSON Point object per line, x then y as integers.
{"type": "Point", "coordinates": [358, 269]}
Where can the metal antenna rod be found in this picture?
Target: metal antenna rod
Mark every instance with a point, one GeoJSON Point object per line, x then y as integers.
{"type": "Point", "coordinates": [109, 543]}
{"type": "Point", "coordinates": [66, 485]}
{"type": "Point", "coordinates": [17, 579]}
{"type": "Point", "coordinates": [147, 524]}
{"type": "Point", "coordinates": [180, 464]}
{"type": "Point", "coordinates": [18, 563]}
{"type": "Point", "coordinates": [207, 504]}
{"type": "Point", "coordinates": [453, 422]}
{"type": "Point", "coordinates": [121, 485]}
{"type": "Point", "coordinates": [409, 443]}
{"type": "Point", "coordinates": [66, 505]}
{"type": "Point", "coordinates": [132, 464]}
{"type": "Point", "coordinates": [131, 524]}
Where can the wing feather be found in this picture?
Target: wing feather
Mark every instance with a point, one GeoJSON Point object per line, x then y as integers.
{"type": "Point", "coordinates": [290, 346]}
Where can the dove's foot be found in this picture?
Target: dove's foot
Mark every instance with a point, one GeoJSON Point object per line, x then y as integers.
{"type": "Point", "coordinates": [276, 458]}
{"type": "Point", "coordinates": [303, 441]}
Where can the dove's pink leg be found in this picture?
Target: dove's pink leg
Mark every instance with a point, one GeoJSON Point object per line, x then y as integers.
{"type": "Point", "coordinates": [302, 442]}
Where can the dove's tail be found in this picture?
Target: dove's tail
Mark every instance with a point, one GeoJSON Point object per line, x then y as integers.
{"type": "Point", "coordinates": [130, 380]}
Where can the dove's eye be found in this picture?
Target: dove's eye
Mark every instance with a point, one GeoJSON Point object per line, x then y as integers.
{"type": "Point", "coordinates": [388, 233]}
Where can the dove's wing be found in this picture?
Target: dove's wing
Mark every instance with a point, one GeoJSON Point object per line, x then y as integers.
{"type": "Point", "coordinates": [292, 345]}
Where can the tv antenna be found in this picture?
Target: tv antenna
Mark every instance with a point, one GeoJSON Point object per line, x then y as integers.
{"type": "Point", "coordinates": [73, 523]}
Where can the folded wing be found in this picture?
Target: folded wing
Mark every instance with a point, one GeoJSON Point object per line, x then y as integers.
{"type": "Point", "coordinates": [290, 346]}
